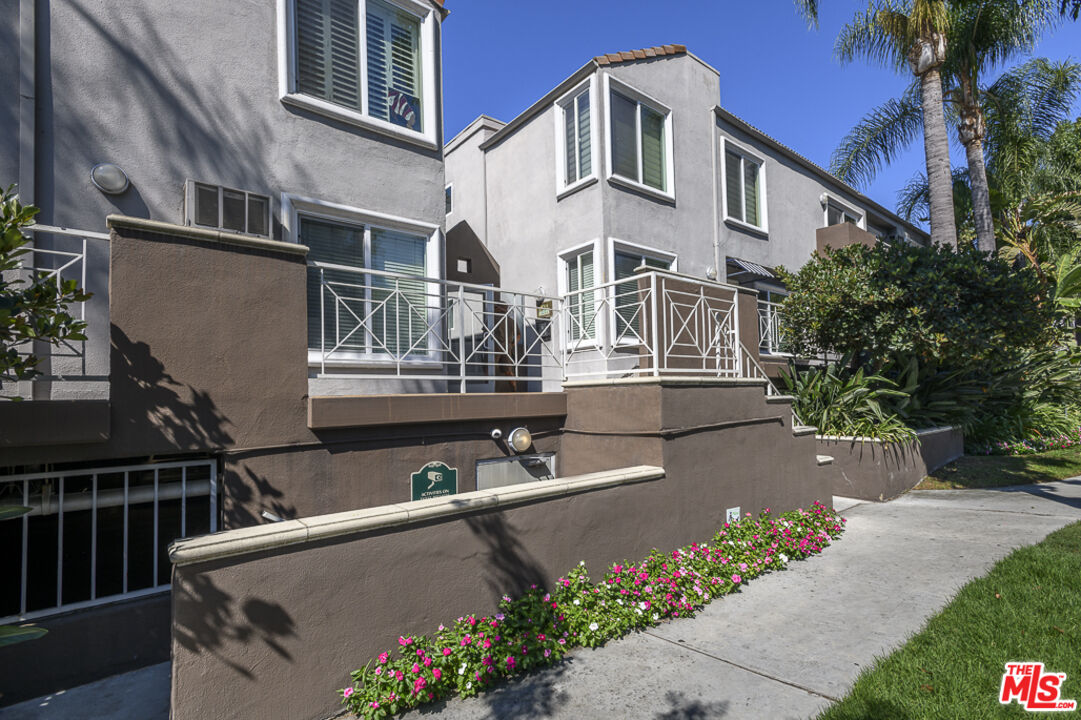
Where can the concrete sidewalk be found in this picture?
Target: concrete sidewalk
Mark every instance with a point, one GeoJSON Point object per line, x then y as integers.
{"type": "Point", "coordinates": [790, 642]}
{"type": "Point", "coordinates": [783, 647]}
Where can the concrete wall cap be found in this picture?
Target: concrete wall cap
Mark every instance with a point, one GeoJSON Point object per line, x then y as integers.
{"type": "Point", "coordinates": [667, 381]}
{"type": "Point", "coordinates": [248, 540]}
{"type": "Point", "coordinates": [229, 238]}
{"type": "Point", "coordinates": [852, 438]}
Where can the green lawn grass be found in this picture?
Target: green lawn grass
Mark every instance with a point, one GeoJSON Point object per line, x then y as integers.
{"type": "Point", "coordinates": [1027, 608]}
{"type": "Point", "coordinates": [982, 471]}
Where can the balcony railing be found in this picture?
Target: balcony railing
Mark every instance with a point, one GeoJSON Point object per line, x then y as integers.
{"type": "Point", "coordinates": [377, 324]}
{"type": "Point", "coordinates": [770, 322]}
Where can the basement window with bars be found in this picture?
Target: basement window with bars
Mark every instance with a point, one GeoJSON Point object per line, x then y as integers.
{"type": "Point", "coordinates": [219, 207]}
{"type": "Point", "coordinates": [640, 140]}
{"type": "Point", "coordinates": [744, 181]}
{"type": "Point", "coordinates": [364, 56]}
{"type": "Point", "coordinates": [353, 314]}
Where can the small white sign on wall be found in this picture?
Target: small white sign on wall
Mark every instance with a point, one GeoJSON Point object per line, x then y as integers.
{"type": "Point", "coordinates": [732, 515]}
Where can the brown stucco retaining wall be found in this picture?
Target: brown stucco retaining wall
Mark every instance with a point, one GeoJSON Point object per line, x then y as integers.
{"type": "Point", "coordinates": [274, 633]}
{"type": "Point", "coordinates": [869, 470]}
{"type": "Point", "coordinates": [85, 646]}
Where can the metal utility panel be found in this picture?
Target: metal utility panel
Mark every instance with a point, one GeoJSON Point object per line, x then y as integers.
{"type": "Point", "coordinates": [513, 470]}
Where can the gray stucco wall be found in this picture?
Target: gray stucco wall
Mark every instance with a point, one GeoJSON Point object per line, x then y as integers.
{"type": "Point", "coordinates": [175, 91]}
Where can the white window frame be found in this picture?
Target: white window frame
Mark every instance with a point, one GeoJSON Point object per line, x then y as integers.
{"type": "Point", "coordinates": [828, 199]}
{"type": "Point", "coordinates": [559, 111]}
{"type": "Point", "coordinates": [563, 259]}
{"type": "Point", "coordinates": [610, 84]}
{"type": "Point", "coordinates": [429, 29]}
{"type": "Point", "coordinates": [730, 146]}
{"type": "Point", "coordinates": [189, 208]}
{"type": "Point", "coordinates": [295, 206]}
{"type": "Point", "coordinates": [616, 245]}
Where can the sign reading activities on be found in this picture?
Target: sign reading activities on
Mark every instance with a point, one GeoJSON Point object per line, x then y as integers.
{"type": "Point", "coordinates": [434, 480]}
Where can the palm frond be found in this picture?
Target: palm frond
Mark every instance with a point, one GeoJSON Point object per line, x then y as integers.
{"type": "Point", "coordinates": [877, 139]}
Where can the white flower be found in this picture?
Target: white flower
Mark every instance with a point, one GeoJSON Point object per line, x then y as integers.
{"type": "Point", "coordinates": [577, 601]}
{"type": "Point", "coordinates": [638, 610]}
{"type": "Point", "coordinates": [642, 605]}
{"type": "Point", "coordinates": [469, 685]}
{"type": "Point", "coordinates": [593, 626]}
{"type": "Point", "coordinates": [582, 563]}
{"type": "Point", "coordinates": [461, 670]}
{"type": "Point", "coordinates": [619, 601]}
{"type": "Point", "coordinates": [784, 558]}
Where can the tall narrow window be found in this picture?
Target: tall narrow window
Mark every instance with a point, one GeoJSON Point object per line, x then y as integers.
{"type": "Point", "coordinates": [580, 281]}
{"type": "Point", "coordinates": [639, 142]}
{"type": "Point", "coordinates": [365, 313]}
{"type": "Point", "coordinates": [577, 138]}
{"type": "Point", "coordinates": [743, 188]}
{"type": "Point", "coordinates": [329, 35]}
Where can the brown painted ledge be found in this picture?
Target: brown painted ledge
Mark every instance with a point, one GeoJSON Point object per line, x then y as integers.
{"type": "Point", "coordinates": [345, 411]}
{"type": "Point", "coordinates": [53, 422]}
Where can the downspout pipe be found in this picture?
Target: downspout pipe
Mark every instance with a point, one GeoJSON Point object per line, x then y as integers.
{"type": "Point", "coordinates": [721, 270]}
{"type": "Point", "coordinates": [27, 99]}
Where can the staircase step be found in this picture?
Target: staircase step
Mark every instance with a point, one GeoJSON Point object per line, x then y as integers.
{"type": "Point", "coordinates": [824, 459]}
{"type": "Point", "coordinates": [780, 399]}
{"type": "Point", "coordinates": [801, 430]}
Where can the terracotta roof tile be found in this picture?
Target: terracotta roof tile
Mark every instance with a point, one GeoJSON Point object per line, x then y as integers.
{"type": "Point", "coordinates": [643, 54]}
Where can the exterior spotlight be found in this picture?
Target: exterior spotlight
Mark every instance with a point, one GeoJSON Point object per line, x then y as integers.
{"type": "Point", "coordinates": [520, 440]}
{"type": "Point", "coordinates": [496, 433]}
{"type": "Point", "coordinates": [711, 273]}
{"type": "Point", "coordinates": [109, 178]}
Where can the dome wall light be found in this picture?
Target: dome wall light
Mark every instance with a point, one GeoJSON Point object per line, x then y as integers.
{"type": "Point", "coordinates": [520, 440]}
{"type": "Point", "coordinates": [109, 178]}
{"type": "Point", "coordinates": [496, 433]}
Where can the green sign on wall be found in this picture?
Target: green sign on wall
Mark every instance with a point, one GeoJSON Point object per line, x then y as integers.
{"type": "Point", "coordinates": [434, 480]}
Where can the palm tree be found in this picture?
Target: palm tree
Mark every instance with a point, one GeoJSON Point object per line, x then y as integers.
{"type": "Point", "coordinates": [985, 34]}
{"type": "Point", "coordinates": [912, 34]}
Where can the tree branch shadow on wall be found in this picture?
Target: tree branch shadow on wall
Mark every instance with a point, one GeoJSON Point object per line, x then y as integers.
{"type": "Point", "coordinates": [247, 494]}
{"type": "Point", "coordinates": [683, 708]}
{"type": "Point", "coordinates": [209, 621]}
{"type": "Point", "coordinates": [181, 416]}
{"type": "Point", "coordinates": [511, 568]}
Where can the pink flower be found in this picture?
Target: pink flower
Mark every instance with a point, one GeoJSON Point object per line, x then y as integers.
{"type": "Point", "coordinates": [510, 661]}
{"type": "Point", "coordinates": [437, 673]}
{"type": "Point", "coordinates": [347, 692]}
{"type": "Point", "coordinates": [379, 671]}
{"type": "Point", "coordinates": [737, 579]}
{"type": "Point", "coordinates": [419, 684]}
{"type": "Point", "coordinates": [398, 675]}
{"type": "Point", "coordinates": [466, 640]}
{"type": "Point", "coordinates": [487, 644]}
{"type": "Point", "coordinates": [416, 668]}
{"type": "Point", "coordinates": [446, 651]}
{"type": "Point", "coordinates": [383, 658]}
{"type": "Point", "coordinates": [374, 704]}
{"type": "Point", "coordinates": [427, 662]}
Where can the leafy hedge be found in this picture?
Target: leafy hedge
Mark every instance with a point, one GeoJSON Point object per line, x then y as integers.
{"type": "Point", "coordinates": [538, 628]}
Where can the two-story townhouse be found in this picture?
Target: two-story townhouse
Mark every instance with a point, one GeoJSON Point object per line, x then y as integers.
{"type": "Point", "coordinates": [632, 161]}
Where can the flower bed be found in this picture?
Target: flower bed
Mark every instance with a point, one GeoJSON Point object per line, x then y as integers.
{"type": "Point", "coordinates": [537, 629]}
{"type": "Point", "coordinates": [1031, 446]}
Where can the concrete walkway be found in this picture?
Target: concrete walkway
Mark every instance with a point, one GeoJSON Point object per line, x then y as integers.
{"type": "Point", "coordinates": [783, 647]}
{"type": "Point", "coordinates": [791, 642]}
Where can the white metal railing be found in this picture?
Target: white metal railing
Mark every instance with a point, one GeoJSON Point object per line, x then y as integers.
{"type": "Point", "coordinates": [656, 323]}
{"type": "Point", "coordinates": [98, 535]}
{"type": "Point", "coordinates": [61, 254]}
{"type": "Point", "coordinates": [770, 320]}
{"type": "Point", "coordinates": [373, 322]}
{"type": "Point", "coordinates": [378, 325]}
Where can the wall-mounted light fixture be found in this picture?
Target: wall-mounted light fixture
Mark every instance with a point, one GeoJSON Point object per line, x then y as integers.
{"type": "Point", "coordinates": [496, 433]}
{"type": "Point", "coordinates": [109, 178]}
{"type": "Point", "coordinates": [711, 273]}
{"type": "Point", "coordinates": [520, 440]}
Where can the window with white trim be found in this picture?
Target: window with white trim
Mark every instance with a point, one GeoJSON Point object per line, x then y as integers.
{"type": "Point", "coordinates": [221, 207]}
{"type": "Point", "coordinates": [629, 309]}
{"type": "Point", "coordinates": [835, 215]}
{"type": "Point", "coordinates": [366, 56]}
{"type": "Point", "coordinates": [639, 140]}
{"type": "Point", "coordinates": [363, 313]}
{"type": "Point", "coordinates": [575, 130]}
{"type": "Point", "coordinates": [744, 187]}
{"type": "Point", "coordinates": [581, 277]}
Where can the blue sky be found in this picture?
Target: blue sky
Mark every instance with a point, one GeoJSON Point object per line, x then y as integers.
{"type": "Point", "coordinates": [500, 56]}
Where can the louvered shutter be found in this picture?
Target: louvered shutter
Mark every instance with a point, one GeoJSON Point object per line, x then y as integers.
{"type": "Point", "coordinates": [624, 143]}
{"type": "Point", "coordinates": [585, 141]}
{"type": "Point", "coordinates": [393, 65]}
{"type": "Point", "coordinates": [750, 190]}
{"type": "Point", "coordinates": [653, 149]}
{"type": "Point", "coordinates": [339, 245]}
{"type": "Point", "coordinates": [569, 136]}
{"type": "Point", "coordinates": [732, 173]}
{"type": "Point", "coordinates": [400, 317]}
{"type": "Point", "coordinates": [327, 51]}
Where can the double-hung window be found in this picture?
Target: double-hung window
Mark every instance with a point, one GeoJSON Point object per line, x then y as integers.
{"type": "Point", "coordinates": [353, 313]}
{"type": "Point", "coordinates": [574, 130]}
{"type": "Point", "coordinates": [744, 187]}
{"type": "Point", "coordinates": [630, 310]}
{"type": "Point", "coordinates": [581, 304]}
{"type": "Point", "coordinates": [364, 60]}
{"type": "Point", "coordinates": [639, 140]}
